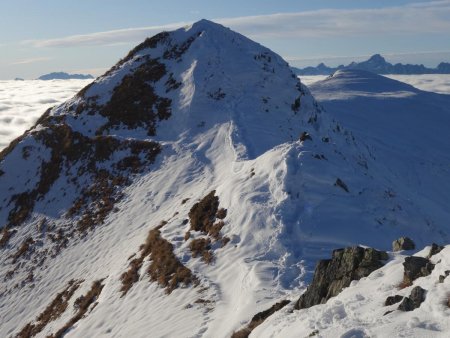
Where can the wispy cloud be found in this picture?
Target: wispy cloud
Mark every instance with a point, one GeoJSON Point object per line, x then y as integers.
{"type": "Point", "coordinates": [114, 37]}
{"type": "Point", "coordinates": [425, 17]}
{"type": "Point", "coordinates": [31, 60]}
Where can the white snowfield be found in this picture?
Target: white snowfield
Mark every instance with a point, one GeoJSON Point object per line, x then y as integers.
{"type": "Point", "coordinates": [234, 128]}
{"type": "Point", "coordinates": [437, 83]}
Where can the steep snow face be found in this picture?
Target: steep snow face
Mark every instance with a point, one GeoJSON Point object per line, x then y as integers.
{"type": "Point", "coordinates": [406, 130]}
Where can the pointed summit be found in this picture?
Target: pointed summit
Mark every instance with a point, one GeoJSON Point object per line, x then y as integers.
{"type": "Point", "coordinates": [377, 59]}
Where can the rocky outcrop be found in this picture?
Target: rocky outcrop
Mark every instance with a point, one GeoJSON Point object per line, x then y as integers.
{"type": "Point", "coordinates": [333, 275]}
{"type": "Point", "coordinates": [403, 243]}
{"type": "Point", "coordinates": [435, 249]}
{"type": "Point", "coordinates": [414, 300]}
{"type": "Point", "coordinates": [416, 267]}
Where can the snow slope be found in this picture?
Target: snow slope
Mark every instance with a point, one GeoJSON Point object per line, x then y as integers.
{"type": "Point", "coordinates": [187, 112]}
{"type": "Point", "coordinates": [359, 311]}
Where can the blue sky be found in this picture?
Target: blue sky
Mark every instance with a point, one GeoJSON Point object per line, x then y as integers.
{"type": "Point", "coordinates": [89, 36]}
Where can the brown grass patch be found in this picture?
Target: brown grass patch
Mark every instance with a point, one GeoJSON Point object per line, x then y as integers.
{"type": "Point", "coordinates": [221, 213]}
{"type": "Point", "coordinates": [6, 236]}
{"type": "Point", "coordinates": [82, 304]}
{"type": "Point", "coordinates": [53, 311]}
{"type": "Point", "coordinates": [202, 216]}
{"type": "Point", "coordinates": [204, 212]}
{"type": "Point", "coordinates": [23, 249]}
{"type": "Point", "coordinates": [258, 319]}
{"type": "Point", "coordinates": [134, 102]}
{"type": "Point", "coordinates": [201, 247]}
{"type": "Point", "coordinates": [404, 284]}
{"type": "Point", "coordinates": [165, 268]}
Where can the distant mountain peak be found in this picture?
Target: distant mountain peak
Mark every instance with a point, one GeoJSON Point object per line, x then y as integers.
{"type": "Point", "coordinates": [376, 64]}
{"type": "Point", "coordinates": [65, 76]}
{"type": "Point", "coordinates": [377, 58]}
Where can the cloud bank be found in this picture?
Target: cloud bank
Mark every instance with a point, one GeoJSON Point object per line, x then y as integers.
{"type": "Point", "coordinates": [427, 17]}
{"type": "Point", "coordinates": [23, 102]}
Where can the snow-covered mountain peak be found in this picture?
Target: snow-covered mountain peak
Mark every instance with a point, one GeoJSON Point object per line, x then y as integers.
{"type": "Point", "coordinates": [191, 186]}
{"type": "Point", "coordinates": [191, 79]}
{"type": "Point", "coordinates": [197, 114]}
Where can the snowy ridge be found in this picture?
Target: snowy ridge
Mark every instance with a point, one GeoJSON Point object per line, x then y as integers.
{"type": "Point", "coordinates": [185, 113]}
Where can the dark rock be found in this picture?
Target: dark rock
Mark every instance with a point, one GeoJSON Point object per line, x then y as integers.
{"type": "Point", "coordinates": [392, 300]}
{"type": "Point", "coordinates": [305, 136]}
{"type": "Point", "coordinates": [435, 249]}
{"type": "Point", "coordinates": [406, 305]}
{"type": "Point", "coordinates": [341, 184]}
{"type": "Point", "coordinates": [441, 279]}
{"type": "Point", "coordinates": [403, 243]}
{"type": "Point", "coordinates": [417, 296]}
{"type": "Point", "coordinates": [414, 300]}
{"type": "Point", "coordinates": [416, 267]}
{"type": "Point", "coordinates": [332, 275]}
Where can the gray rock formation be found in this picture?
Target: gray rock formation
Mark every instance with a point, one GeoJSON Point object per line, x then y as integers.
{"type": "Point", "coordinates": [332, 275]}
{"type": "Point", "coordinates": [416, 267]}
{"type": "Point", "coordinates": [414, 300]}
{"type": "Point", "coordinates": [403, 243]}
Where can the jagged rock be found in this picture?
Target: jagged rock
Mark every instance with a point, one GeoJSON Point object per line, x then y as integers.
{"type": "Point", "coordinates": [435, 249]}
{"type": "Point", "coordinates": [403, 243]}
{"type": "Point", "coordinates": [332, 275]}
{"type": "Point", "coordinates": [416, 267]}
{"type": "Point", "coordinates": [414, 300]}
{"type": "Point", "coordinates": [392, 300]}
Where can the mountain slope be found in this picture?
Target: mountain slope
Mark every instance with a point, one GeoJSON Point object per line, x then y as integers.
{"type": "Point", "coordinates": [175, 119]}
{"type": "Point", "coordinates": [190, 187]}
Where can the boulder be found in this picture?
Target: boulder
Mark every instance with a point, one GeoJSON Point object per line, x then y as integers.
{"type": "Point", "coordinates": [332, 275]}
{"type": "Point", "coordinates": [416, 267]}
{"type": "Point", "coordinates": [403, 243]}
{"type": "Point", "coordinates": [414, 300]}
{"type": "Point", "coordinates": [392, 300]}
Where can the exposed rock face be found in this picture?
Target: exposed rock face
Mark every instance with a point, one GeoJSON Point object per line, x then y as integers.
{"type": "Point", "coordinates": [414, 300]}
{"type": "Point", "coordinates": [416, 267]}
{"type": "Point", "coordinates": [435, 249]}
{"type": "Point", "coordinates": [403, 243]}
{"type": "Point", "coordinates": [332, 275]}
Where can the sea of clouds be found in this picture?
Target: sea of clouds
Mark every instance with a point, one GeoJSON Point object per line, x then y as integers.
{"type": "Point", "coordinates": [23, 102]}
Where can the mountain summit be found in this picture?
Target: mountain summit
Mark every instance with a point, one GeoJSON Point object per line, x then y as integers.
{"type": "Point", "coordinates": [190, 187]}
{"type": "Point", "coordinates": [152, 180]}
